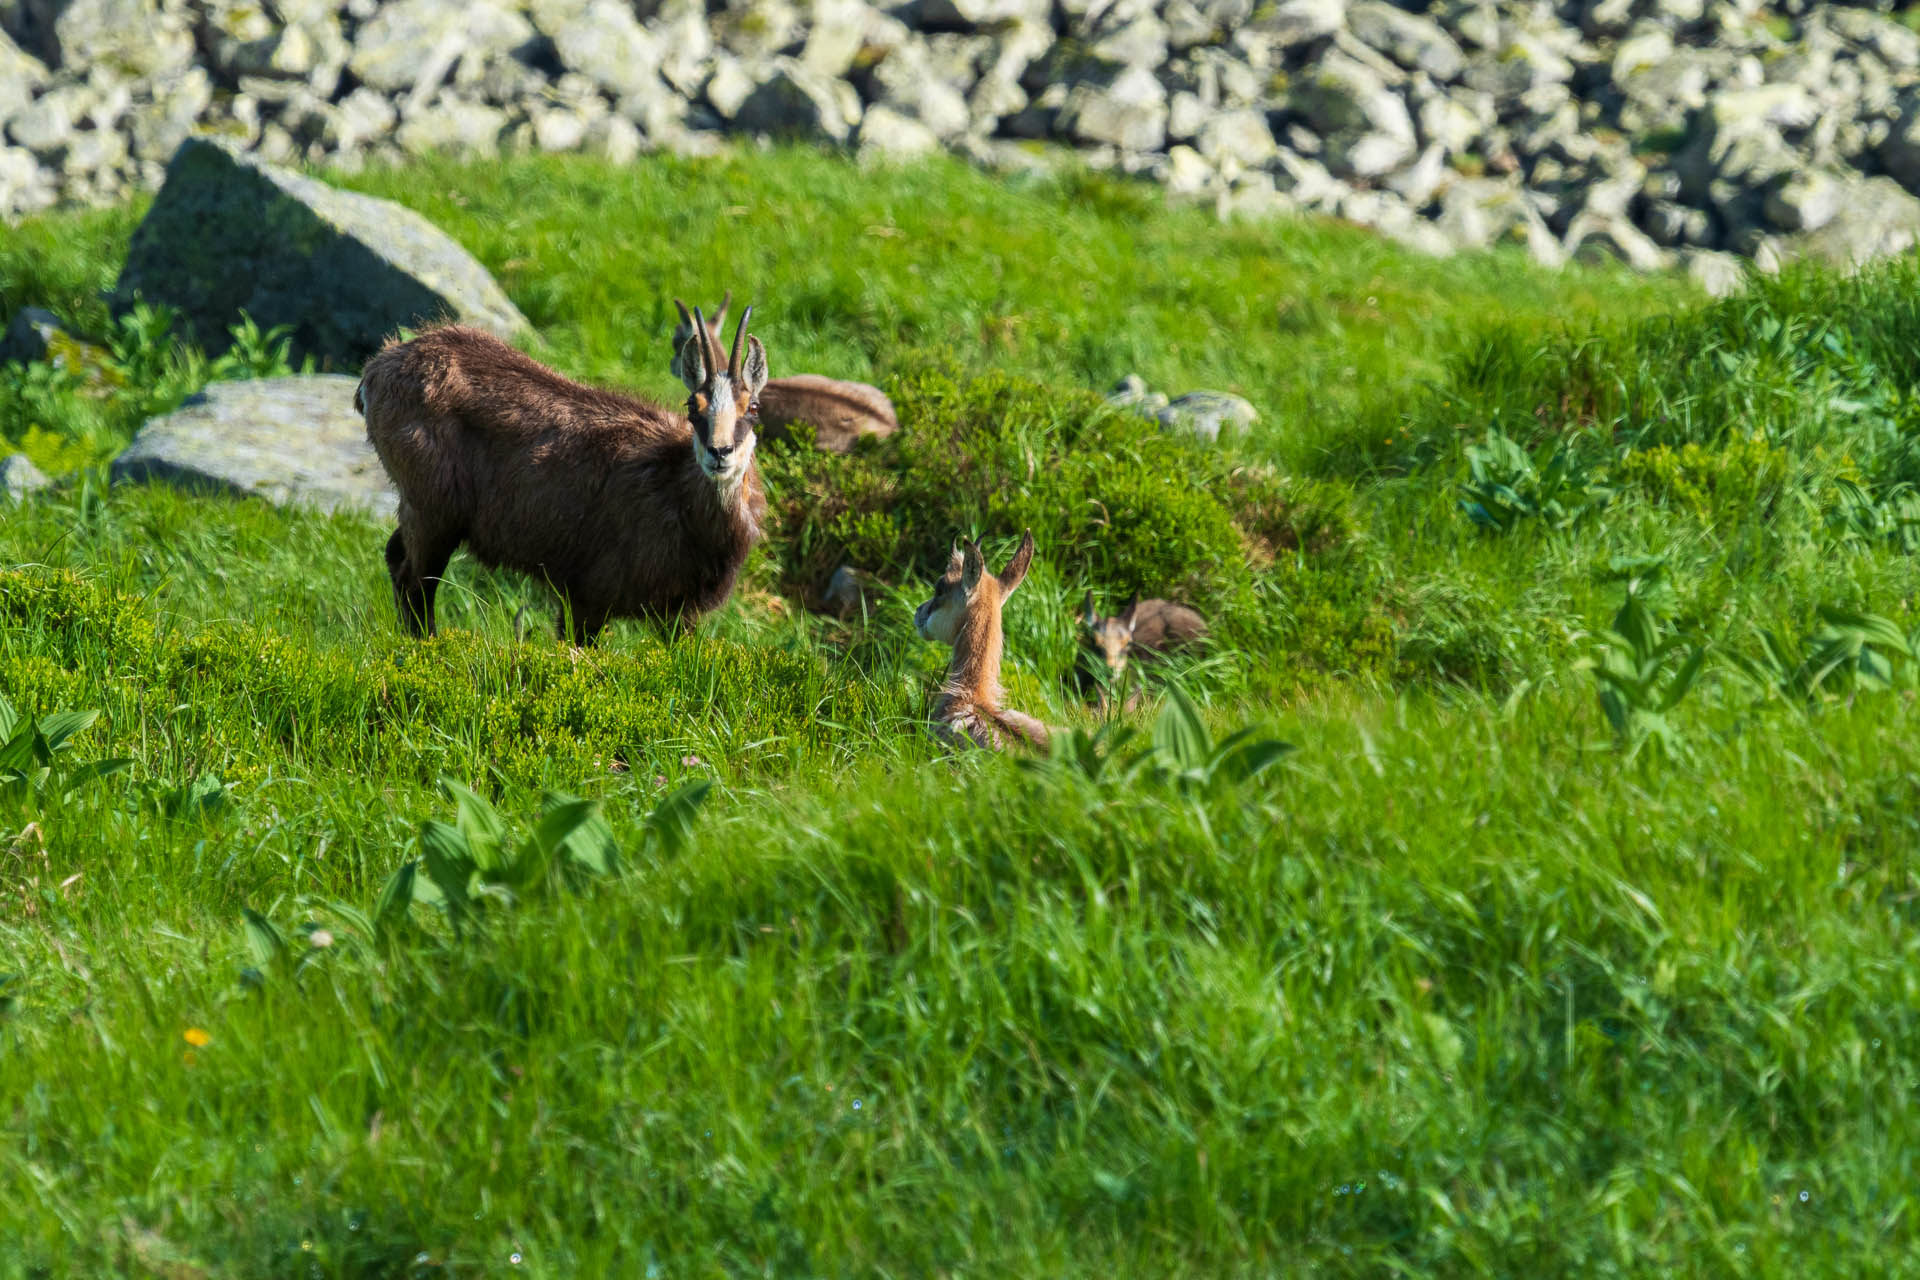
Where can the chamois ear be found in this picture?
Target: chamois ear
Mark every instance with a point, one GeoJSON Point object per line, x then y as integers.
{"type": "Point", "coordinates": [720, 316]}
{"type": "Point", "coordinates": [1088, 618]}
{"type": "Point", "coordinates": [754, 368]}
{"type": "Point", "coordinates": [693, 353]}
{"type": "Point", "coordinates": [973, 565]}
{"type": "Point", "coordinates": [1128, 614]}
{"type": "Point", "coordinates": [1016, 570]}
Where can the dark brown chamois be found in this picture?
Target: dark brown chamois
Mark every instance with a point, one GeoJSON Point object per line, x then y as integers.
{"type": "Point", "coordinates": [623, 507]}
{"type": "Point", "coordinates": [839, 412]}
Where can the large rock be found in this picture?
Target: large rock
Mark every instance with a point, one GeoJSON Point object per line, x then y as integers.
{"type": "Point", "coordinates": [228, 233]}
{"type": "Point", "coordinates": [288, 440]}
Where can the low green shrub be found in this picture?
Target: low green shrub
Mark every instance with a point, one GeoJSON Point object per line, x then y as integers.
{"type": "Point", "coordinates": [1114, 502]}
{"type": "Point", "coordinates": [521, 709]}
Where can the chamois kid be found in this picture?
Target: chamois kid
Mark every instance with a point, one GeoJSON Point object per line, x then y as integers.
{"type": "Point", "coordinates": [624, 507]}
{"type": "Point", "coordinates": [965, 613]}
{"type": "Point", "coordinates": [839, 412]}
{"type": "Point", "coordinates": [1145, 629]}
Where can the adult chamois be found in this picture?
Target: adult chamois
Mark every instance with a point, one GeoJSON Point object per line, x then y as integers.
{"type": "Point", "coordinates": [839, 412]}
{"type": "Point", "coordinates": [965, 613]}
{"type": "Point", "coordinates": [624, 507]}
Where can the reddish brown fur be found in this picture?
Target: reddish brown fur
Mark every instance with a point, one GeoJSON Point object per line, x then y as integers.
{"type": "Point", "coordinates": [965, 613]}
{"type": "Point", "coordinates": [598, 494]}
{"type": "Point", "coordinates": [839, 412]}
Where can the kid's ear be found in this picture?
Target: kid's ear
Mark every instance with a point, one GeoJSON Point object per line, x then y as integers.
{"type": "Point", "coordinates": [1128, 614]}
{"type": "Point", "coordinates": [972, 565]}
{"type": "Point", "coordinates": [720, 316]}
{"type": "Point", "coordinates": [1087, 615]}
{"type": "Point", "coordinates": [1016, 570]}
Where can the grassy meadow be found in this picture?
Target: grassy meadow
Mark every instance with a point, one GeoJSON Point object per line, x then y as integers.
{"type": "Point", "coordinates": [1570, 936]}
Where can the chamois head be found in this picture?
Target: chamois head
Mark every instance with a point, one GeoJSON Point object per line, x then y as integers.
{"type": "Point", "coordinates": [723, 401]}
{"type": "Point", "coordinates": [967, 593]}
{"type": "Point", "coordinates": [1109, 637]}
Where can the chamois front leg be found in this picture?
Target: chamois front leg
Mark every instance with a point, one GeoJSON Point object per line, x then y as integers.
{"type": "Point", "coordinates": [415, 564]}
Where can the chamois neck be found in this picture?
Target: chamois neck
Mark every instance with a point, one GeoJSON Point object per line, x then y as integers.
{"type": "Point", "coordinates": [975, 669]}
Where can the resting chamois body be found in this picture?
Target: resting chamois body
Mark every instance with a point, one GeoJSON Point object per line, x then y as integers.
{"type": "Point", "coordinates": [839, 412]}
{"type": "Point", "coordinates": [965, 613]}
{"type": "Point", "coordinates": [624, 507]}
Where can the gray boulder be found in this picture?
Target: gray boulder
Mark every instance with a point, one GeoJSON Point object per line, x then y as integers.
{"type": "Point", "coordinates": [1872, 218]}
{"type": "Point", "coordinates": [20, 479]}
{"type": "Point", "coordinates": [1365, 124]}
{"type": "Point", "coordinates": [606, 44]}
{"type": "Point", "coordinates": [292, 441]}
{"type": "Point", "coordinates": [1416, 43]}
{"type": "Point", "coordinates": [409, 47]}
{"type": "Point", "coordinates": [1292, 22]}
{"type": "Point", "coordinates": [795, 102]}
{"type": "Point", "coordinates": [20, 74]}
{"type": "Point", "coordinates": [1204, 413]}
{"type": "Point", "coordinates": [1806, 202]}
{"type": "Point", "coordinates": [1130, 113]}
{"type": "Point", "coordinates": [228, 233]}
{"type": "Point", "coordinates": [29, 334]}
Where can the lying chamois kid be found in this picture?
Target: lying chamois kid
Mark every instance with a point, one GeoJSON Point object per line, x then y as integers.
{"type": "Point", "coordinates": [965, 613]}
{"type": "Point", "coordinates": [839, 412]}
{"type": "Point", "coordinates": [624, 507]}
{"type": "Point", "coordinates": [1145, 629]}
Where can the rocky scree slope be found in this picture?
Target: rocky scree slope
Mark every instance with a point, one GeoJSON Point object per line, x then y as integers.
{"type": "Point", "coordinates": [1656, 131]}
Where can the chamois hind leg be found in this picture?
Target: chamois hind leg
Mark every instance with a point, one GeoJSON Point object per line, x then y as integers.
{"type": "Point", "coordinates": [415, 562]}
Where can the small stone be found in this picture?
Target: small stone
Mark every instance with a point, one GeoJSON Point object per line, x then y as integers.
{"type": "Point", "coordinates": [1414, 42]}
{"type": "Point", "coordinates": [1294, 22]}
{"type": "Point", "coordinates": [605, 43]}
{"type": "Point", "coordinates": [20, 479]}
{"type": "Point", "coordinates": [1205, 413]}
{"type": "Point", "coordinates": [1242, 136]}
{"type": "Point", "coordinates": [45, 126]}
{"type": "Point", "coordinates": [28, 334]}
{"type": "Point", "coordinates": [1719, 274]}
{"type": "Point", "coordinates": [886, 132]}
{"type": "Point", "coordinates": [850, 593]}
{"type": "Point", "coordinates": [1805, 202]}
{"type": "Point", "coordinates": [1130, 113]}
{"type": "Point", "coordinates": [796, 102]}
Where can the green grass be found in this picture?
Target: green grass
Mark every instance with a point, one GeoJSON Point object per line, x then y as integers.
{"type": "Point", "coordinates": [1575, 935]}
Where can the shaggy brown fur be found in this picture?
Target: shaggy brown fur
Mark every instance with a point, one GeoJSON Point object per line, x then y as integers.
{"type": "Point", "coordinates": [1145, 629]}
{"type": "Point", "coordinates": [839, 412]}
{"type": "Point", "coordinates": [965, 613]}
{"type": "Point", "coordinates": [624, 507]}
